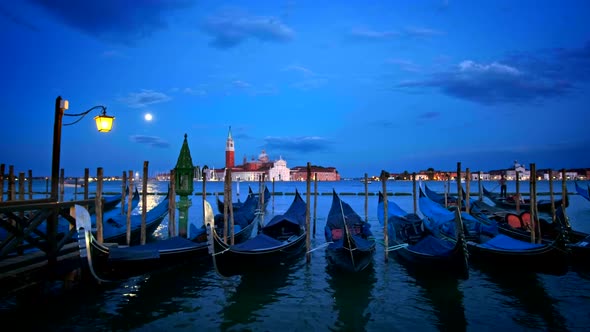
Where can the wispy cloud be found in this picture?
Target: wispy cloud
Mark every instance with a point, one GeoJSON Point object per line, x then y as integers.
{"type": "Point", "coordinates": [122, 21]}
{"type": "Point", "coordinates": [297, 144]}
{"type": "Point", "coordinates": [144, 98]}
{"type": "Point", "coordinates": [230, 29]}
{"type": "Point", "coordinates": [195, 91]}
{"type": "Point", "coordinates": [422, 32]}
{"type": "Point", "coordinates": [153, 141]}
{"type": "Point", "coordinates": [366, 34]}
{"type": "Point", "coordinates": [16, 19]}
{"type": "Point", "coordinates": [492, 83]}
{"type": "Point", "coordinates": [300, 69]}
{"type": "Point", "coordinates": [405, 65]}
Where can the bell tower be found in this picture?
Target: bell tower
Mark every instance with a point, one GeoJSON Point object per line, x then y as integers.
{"type": "Point", "coordinates": [229, 151]}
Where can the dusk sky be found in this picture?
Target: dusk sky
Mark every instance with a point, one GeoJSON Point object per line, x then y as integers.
{"type": "Point", "coordinates": [358, 85]}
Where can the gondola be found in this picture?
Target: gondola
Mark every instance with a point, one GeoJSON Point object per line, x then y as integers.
{"type": "Point", "coordinates": [440, 198]}
{"type": "Point", "coordinates": [244, 220]}
{"type": "Point", "coordinates": [584, 192]}
{"type": "Point", "coordinates": [237, 205]}
{"type": "Point", "coordinates": [351, 243]}
{"type": "Point", "coordinates": [487, 246]}
{"type": "Point", "coordinates": [524, 204]}
{"type": "Point", "coordinates": [108, 263]}
{"type": "Point", "coordinates": [279, 241]}
{"type": "Point", "coordinates": [114, 228]}
{"type": "Point", "coordinates": [415, 245]}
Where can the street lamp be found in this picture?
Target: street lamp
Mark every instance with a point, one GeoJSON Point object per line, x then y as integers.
{"type": "Point", "coordinates": [104, 123]}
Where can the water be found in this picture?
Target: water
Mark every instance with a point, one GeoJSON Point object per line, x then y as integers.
{"type": "Point", "coordinates": [308, 297]}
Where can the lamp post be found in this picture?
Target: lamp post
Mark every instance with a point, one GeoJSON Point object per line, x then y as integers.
{"type": "Point", "coordinates": [184, 173]}
{"type": "Point", "coordinates": [104, 124]}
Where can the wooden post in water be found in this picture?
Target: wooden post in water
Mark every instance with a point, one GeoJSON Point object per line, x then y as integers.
{"type": "Point", "coordinates": [536, 221]}
{"type": "Point", "coordinates": [479, 186]}
{"type": "Point", "coordinates": [75, 188]}
{"type": "Point", "coordinates": [366, 198]}
{"type": "Point", "coordinates": [21, 186]}
{"type": "Point", "coordinates": [384, 177]}
{"type": "Point", "coordinates": [459, 191]}
{"type": "Point", "coordinates": [307, 228]}
{"type": "Point", "coordinates": [273, 196]}
{"type": "Point", "coordinates": [61, 184]}
{"type": "Point", "coordinates": [47, 187]}
{"type": "Point", "coordinates": [532, 204]}
{"type": "Point", "coordinates": [21, 192]}
{"type": "Point", "coordinates": [315, 201]}
{"type": "Point", "coordinates": [552, 197]}
{"type": "Point", "coordinates": [123, 191]}
{"type": "Point", "coordinates": [86, 182]}
{"type": "Point", "coordinates": [11, 184]}
{"type": "Point", "coordinates": [30, 184]}
{"type": "Point", "coordinates": [2, 170]}
{"type": "Point", "coordinates": [467, 189]}
{"type": "Point", "coordinates": [204, 194]}
{"type": "Point", "coordinates": [143, 236]}
{"type": "Point", "coordinates": [564, 198]}
{"type": "Point", "coordinates": [413, 191]}
{"type": "Point", "coordinates": [230, 209]}
{"type": "Point", "coordinates": [447, 189]}
{"type": "Point", "coordinates": [226, 200]}
{"type": "Point", "coordinates": [129, 209]}
{"type": "Point", "coordinates": [517, 195]}
{"type": "Point", "coordinates": [172, 205]}
{"type": "Point", "coordinates": [98, 205]}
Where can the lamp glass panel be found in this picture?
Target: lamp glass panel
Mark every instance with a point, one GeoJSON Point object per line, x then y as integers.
{"type": "Point", "coordinates": [104, 123]}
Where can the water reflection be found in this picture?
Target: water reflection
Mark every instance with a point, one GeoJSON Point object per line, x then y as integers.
{"type": "Point", "coordinates": [442, 292]}
{"type": "Point", "coordinates": [532, 306]}
{"type": "Point", "coordinates": [158, 295]}
{"type": "Point", "coordinates": [352, 295]}
{"type": "Point", "coordinates": [254, 292]}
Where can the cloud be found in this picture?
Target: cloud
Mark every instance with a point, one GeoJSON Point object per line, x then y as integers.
{"type": "Point", "coordinates": [490, 84]}
{"type": "Point", "coordinates": [230, 29]}
{"type": "Point", "coordinates": [153, 141]}
{"type": "Point", "coordinates": [422, 32]}
{"type": "Point", "coordinates": [365, 34]}
{"type": "Point", "coordinates": [405, 65]}
{"type": "Point", "coordinates": [519, 77]}
{"type": "Point", "coordinates": [17, 19]}
{"type": "Point", "coordinates": [144, 98]}
{"type": "Point", "coordinates": [241, 84]}
{"type": "Point", "coordinates": [300, 69]}
{"type": "Point", "coordinates": [121, 21]}
{"type": "Point", "coordinates": [297, 144]}
{"type": "Point", "coordinates": [429, 115]}
{"type": "Point", "coordinates": [194, 92]}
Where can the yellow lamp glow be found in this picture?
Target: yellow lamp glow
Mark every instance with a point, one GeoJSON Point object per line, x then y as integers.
{"type": "Point", "coordinates": [104, 122]}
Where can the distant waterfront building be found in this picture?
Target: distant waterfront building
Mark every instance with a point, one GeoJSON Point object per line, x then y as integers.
{"type": "Point", "coordinates": [254, 169]}
{"type": "Point", "coordinates": [299, 173]}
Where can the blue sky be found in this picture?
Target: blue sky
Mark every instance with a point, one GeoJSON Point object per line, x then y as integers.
{"type": "Point", "coordinates": [358, 85]}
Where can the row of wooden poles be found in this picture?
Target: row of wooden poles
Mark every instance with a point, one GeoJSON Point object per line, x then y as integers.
{"type": "Point", "coordinates": [536, 226]}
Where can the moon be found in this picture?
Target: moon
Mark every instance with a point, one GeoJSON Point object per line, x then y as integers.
{"type": "Point", "coordinates": [148, 117]}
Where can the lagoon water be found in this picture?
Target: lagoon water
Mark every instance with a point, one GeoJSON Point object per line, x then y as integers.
{"type": "Point", "coordinates": [308, 297]}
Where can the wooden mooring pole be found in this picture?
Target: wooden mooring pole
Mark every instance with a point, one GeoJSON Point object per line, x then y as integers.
{"type": "Point", "coordinates": [123, 191]}
{"type": "Point", "coordinates": [517, 192]}
{"type": "Point", "coordinates": [384, 176]}
{"type": "Point", "coordinates": [98, 205]}
{"type": "Point", "coordinates": [459, 191]}
{"type": "Point", "coordinates": [2, 170]}
{"type": "Point", "coordinates": [129, 209]}
{"type": "Point", "coordinates": [315, 201]}
{"type": "Point", "coordinates": [414, 192]}
{"type": "Point", "coordinates": [564, 198]}
{"type": "Point", "coordinates": [30, 184]}
{"type": "Point", "coordinates": [467, 189]}
{"type": "Point", "coordinates": [143, 236]}
{"type": "Point", "coordinates": [366, 198]}
{"type": "Point", "coordinates": [307, 217]}
{"type": "Point", "coordinates": [552, 197]}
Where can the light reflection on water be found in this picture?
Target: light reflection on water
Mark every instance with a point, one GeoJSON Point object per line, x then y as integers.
{"type": "Point", "coordinates": [389, 296]}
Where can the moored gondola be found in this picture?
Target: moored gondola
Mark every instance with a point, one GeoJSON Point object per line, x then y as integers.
{"type": "Point", "coordinates": [279, 241]}
{"type": "Point", "coordinates": [415, 245]}
{"type": "Point", "coordinates": [351, 243]}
